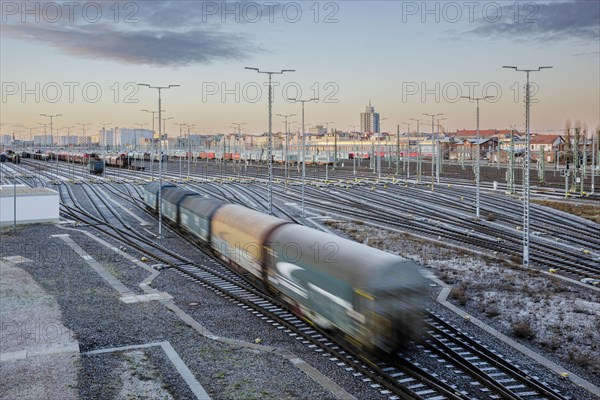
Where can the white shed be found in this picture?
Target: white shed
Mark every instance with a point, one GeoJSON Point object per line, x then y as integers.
{"type": "Point", "coordinates": [33, 205]}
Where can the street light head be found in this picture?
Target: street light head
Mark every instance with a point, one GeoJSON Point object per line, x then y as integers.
{"type": "Point", "coordinates": [509, 66]}
{"type": "Point", "coordinates": [144, 84]}
{"type": "Point", "coordinates": [489, 97]}
{"type": "Point", "coordinates": [288, 70]}
{"type": "Point", "coordinates": [252, 68]}
{"type": "Point", "coordinates": [170, 86]}
{"type": "Point", "coordinates": [545, 67]}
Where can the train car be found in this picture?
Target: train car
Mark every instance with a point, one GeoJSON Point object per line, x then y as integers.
{"type": "Point", "coordinates": [86, 158]}
{"type": "Point", "coordinates": [375, 298]}
{"type": "Point", "coordinates": [119, 160]}
{"type": "Point", "coordinates": [96, 167]}
{"type": "Point", "coordinates": [156, 157]}
{"type": "Point", "coordinates": [139, 156]}
{"type": "Point", "coordinates": [41, 156]}
{"type": "Point", "coordinates": [151, 194]}
{"type": "Point", "coordinates": [237, 234]}
{"type": "Point", "coordinates": [195, 214]}
{"type": "Point", "coordinates": [172, 197]}
{"type": "Point", "coordinates": [10, 156]}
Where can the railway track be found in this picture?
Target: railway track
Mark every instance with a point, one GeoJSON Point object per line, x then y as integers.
{"type": "Point", "coordinates": [567, 254]}
{"type": "Point", "coordinates": [493, 371]}
{"type": "Point", "coordinates": [437, 225]}
{"type": "Point", "coordinates": [232, 286]}
{"type": "Point", "coordinates": [394, 379]}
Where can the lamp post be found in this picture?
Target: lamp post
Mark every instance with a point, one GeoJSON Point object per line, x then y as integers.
{"type": "Point", "coordinates": [526, 194]}
{"type": "Point", "coordinates": [270, 150]}
{"type": "Point", "coordinates": [51, 118]}
{"type": "Point", "coordinates": [51, 137]}
{"type": "Point", "coordinates": [104, 139]}
{"type": "Point", "coordinates": [405, 158]}
{"type": "Point", "coordinates": [135, 138]}
{"type": "Point", "coordinates": [68, 132]}
{"type": "Point", "coordinates": [83, 129]}
{"type": "Point", "coordinates": [159, 88]}
{"type": "Point", "coordinates": [45, 134]}
{"type": "Point", "coordinates": [354, 149]}
{"type": "Point", "coordinates": [179, 140]}
{"type": "Point", "coordinates": [153, 138]}
{"type": "Point", "coordinates": [14, 139]}
{"type": "Point", "coordinates": [595, 136]}
{"type": "Point", "coordinates": [478, 157]}
{"type": "Point", "coordinates": [69, 145]}
{"type": "Point", "coordinates": [238, 125]}
{"type": "Point", "coordinates": [417, 120]}
{"type": "Point", "coordinates": [327, 145]}
{"type": "Point", "coordinates": [418, 150]}
{"type": "Point", "coordinates": [189, 155]}
{"type": "Point", "coordinates": [439, 153]}
{"type": "Point", "coordinates": [285, 162]}
{"type": "Point", "coordinates": [164, 133]}
{"type": "Point", "coordinates": [379, 149]}
{"type": "Point", "coordinates": [303, 145]}
{"type": "Point", "coordinates": [30, 134]}
{"type": "Point", "coordinates": [433, 141]}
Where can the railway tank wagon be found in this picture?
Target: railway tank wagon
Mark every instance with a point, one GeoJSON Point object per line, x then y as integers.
{"type": "Point", "coordinates": [238, 234]}
{"type": "Point", "coordinates": [375, 298]}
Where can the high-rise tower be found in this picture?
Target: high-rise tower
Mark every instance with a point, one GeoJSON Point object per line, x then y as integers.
{"type": "Point", "coordinates": [369, 120]}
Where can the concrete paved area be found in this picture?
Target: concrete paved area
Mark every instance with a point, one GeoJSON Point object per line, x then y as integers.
{"type": "Point", "coordinates": [39, 356]}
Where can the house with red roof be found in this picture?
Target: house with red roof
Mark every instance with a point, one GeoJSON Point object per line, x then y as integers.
{"type": "Point", "coordinates": [546, 145]}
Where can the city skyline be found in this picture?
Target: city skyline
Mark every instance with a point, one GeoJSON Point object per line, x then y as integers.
{"type": "Point", "coordinates": [418, 60]}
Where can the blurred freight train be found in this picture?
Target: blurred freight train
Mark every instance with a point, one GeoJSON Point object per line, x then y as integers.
{"type": "Point", "coordinates": [375, 299]}
{"type": "Point", "coordinates": [95, 162]}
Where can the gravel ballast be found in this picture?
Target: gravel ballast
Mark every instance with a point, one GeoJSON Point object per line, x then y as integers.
{"type": "Point", "coordinates": [484, 285]}
{"type": "Point", "coordinates": [91, 309]}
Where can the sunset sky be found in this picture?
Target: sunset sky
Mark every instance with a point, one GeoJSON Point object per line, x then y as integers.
{"type": "Point", "coordinates": [407, 58]}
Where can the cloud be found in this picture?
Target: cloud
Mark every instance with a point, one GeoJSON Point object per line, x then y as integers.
{"type": "Point", "coordinates": [545, 22]}
{"type": "Point", "coordinates": [156, 47]}
{"type": "Point", "coordinates": [160, 33]}
{"type": "Point", "coordinates": [595, 54]}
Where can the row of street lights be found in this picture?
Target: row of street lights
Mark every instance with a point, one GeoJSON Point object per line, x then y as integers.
{"type": "Point", "coordinates": [270, 145]}
{"type": "Point", "coordinates": [159, 88]}
{"type": "Point", "coordinates": [526, 191]}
